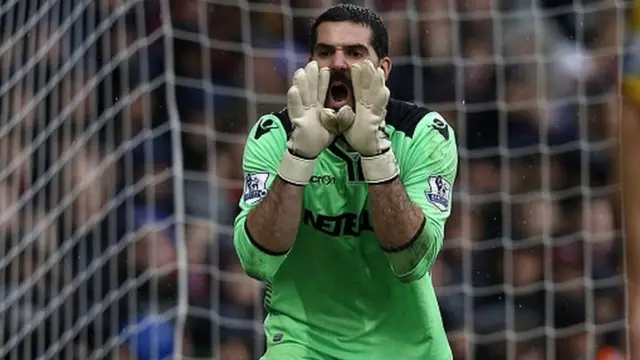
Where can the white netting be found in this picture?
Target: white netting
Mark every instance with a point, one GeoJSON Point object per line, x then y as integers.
{"type": "Point", "coordinates": [121, 132]}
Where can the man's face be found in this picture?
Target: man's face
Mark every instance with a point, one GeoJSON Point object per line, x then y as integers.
{"type": "Point", "coordinates": [340, 45]}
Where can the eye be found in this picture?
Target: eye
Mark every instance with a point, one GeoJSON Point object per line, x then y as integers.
{"type": "Point", "coordinates": [323, 52]}
{"type": "Point", "coordinates": [354, 53]}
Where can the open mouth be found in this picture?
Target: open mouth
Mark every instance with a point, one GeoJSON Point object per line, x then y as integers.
{"type": "Point", "coordinates": [339, 95]}
{"type": "Point", "coordinates": [339, 92]}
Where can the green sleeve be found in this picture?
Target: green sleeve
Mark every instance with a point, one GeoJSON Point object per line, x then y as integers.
{"type": "Point", "coordinates": [263, 152]}
{"type": "Point", "coordinates": [429, 168]}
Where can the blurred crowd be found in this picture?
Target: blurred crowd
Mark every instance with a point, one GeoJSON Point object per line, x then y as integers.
{"type": "Point", "coordinates": [103, 205]}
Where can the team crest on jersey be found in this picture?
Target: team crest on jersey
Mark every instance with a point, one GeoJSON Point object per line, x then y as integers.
{"type": "Point", "coordinates": [439, 192]}
{"type": "Point", "coordinates": [255, 188]}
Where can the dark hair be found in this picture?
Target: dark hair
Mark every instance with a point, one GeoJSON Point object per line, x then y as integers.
{"type": "Point", "coordinates": [355, 14]}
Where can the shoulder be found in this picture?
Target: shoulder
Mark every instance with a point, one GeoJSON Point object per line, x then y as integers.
{"type": "Point", "coordinates": [272, 123]}
{"type": "Point", "coordinates": [285, 121]}
{"type": "Point", "coordinates": [412, 119]}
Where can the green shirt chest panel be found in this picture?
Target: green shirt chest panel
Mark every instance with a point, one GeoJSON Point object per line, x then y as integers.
{"type": "Point", "coordinates": [336, 200]}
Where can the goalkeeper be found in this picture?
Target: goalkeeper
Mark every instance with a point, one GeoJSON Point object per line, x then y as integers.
{"type": "Point", "coordinates": [345, 200]}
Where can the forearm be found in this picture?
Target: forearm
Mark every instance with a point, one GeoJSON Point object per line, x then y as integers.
{"type": "Point", "coordinates": [396, 220]}
{"type": "Point", "coordinates": [273, 224]}
{"type": "Point", "coordinates": [264, 234]}
{"type": "Point", "coordinates": [400, 226]}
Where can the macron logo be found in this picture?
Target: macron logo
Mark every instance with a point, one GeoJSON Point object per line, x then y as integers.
{"type": "Point", "coordinates": [323, 180]}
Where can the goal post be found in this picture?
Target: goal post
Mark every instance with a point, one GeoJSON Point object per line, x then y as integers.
{"type": "Point", "coordinates": [93, 253]}
{"type": "Point", "coordinates": [122, 125]}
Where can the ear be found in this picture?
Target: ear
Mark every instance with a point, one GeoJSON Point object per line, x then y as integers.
{"type": "Point", "coordinates": [385, 64]}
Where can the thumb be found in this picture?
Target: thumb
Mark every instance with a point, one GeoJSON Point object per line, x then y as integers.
{"type": "Point", "coordinates": [328, 119]}
{"type": "Point", "coordinates": [345, 118]}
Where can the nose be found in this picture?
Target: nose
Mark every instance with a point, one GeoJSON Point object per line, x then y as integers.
{"type": "Point", "coordinates": [339, 62]}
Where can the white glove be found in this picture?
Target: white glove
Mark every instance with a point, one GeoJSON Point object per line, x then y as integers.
{"type": "Point", "coordinates": [366, 133]}
{"type": "Point", "coordinates": [305, 105]}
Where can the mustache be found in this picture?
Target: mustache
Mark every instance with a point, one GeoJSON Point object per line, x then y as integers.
{"type": "Point", "coordinates": [340, 76]}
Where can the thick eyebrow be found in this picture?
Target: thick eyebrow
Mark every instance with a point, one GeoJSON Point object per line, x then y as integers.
{"type": "Point", "coordinates": [356, 46]}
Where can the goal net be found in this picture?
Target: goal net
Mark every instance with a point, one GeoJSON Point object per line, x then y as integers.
{"type": "Point", "coordinates": [122, 125]}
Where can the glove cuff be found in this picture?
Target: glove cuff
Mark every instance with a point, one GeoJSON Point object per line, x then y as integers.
{"type": "Point", "coordinates": [296, 170]}
{"type": "Point", "coordinates": [380, 168]}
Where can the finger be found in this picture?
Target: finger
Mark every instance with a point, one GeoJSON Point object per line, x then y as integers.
{"type": "Point", "coordinates": [301, 82]}
{"type": "Point", "coordinates": [356, 75]}
{"type": "Point", "coordinates": [368, 73]}
{"type": "Point", "coordinates": [311, 71]}
{"type": "Point", "coordinates": [345, 118]}
{"type": "Point", "coordinates": [383, 98]}
{"type": "Point", "coordinates": [295, 107]}
{"type": "Point", "coordinates": [378, 80]}
{"type": "Point", "coordinates": [291, 143]}
{"type": "Point", "coordinates": [346, 113]}
{"type": "Point", "coordinates": [323, 84]}
{"type": "Point", "coordinates": [382, 93]}
{"type": "Point", "coordinates": [329, 121]}
{"type": "Point", "coordinates": [380, 100]}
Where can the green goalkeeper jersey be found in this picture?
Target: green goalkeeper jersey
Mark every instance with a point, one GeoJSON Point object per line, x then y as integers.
{"type": "Point", "coordinates": [337, 291]}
